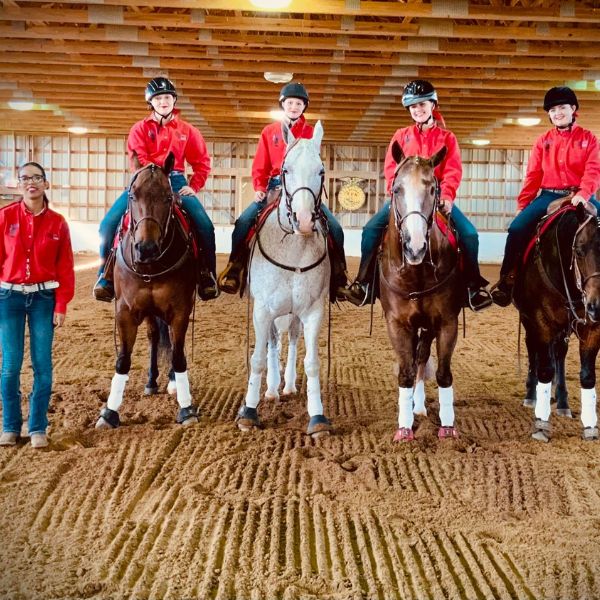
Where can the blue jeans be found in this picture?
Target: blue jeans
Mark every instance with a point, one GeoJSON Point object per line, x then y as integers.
{"type": "Point", "coordinates": [245, 221]}
{"type": "Point", "coordinates": [468, 238]}
{"type": "Point", "coordinates": [203, 225]}
{"type": "Point", "coordinates": [38, 309]}
{"type": "Point", "coordinates": [523, 227]}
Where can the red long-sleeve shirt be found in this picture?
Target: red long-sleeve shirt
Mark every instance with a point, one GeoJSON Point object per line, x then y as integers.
{"type": "Point", "coordinates": [41, 242]}
{"type": "Point", "coordinates": [271, 150]}
{"type": "Point", "coordinates": [152, 143]}
{"type": "Point", "coordinates": [425, 143]}
{"type": "Point", "coordinates": [562, 158]}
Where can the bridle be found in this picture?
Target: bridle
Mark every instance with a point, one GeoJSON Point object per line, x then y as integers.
{"type": "Point", "coordinates": [399, 218]}
{"type": "Point", "coordinates": [166, 233]}
{"type": "Point", "coordinates": [581, 281]}
{"type": "Point", "coordinates": [317, 213]}
{"type": "Point", "coordinates": [133, 224]}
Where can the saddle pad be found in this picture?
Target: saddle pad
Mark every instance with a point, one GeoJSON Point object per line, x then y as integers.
{"type": "Point", "coordinates": [543, 226]}
{"type": "Point", "coordinates": [260, 221]}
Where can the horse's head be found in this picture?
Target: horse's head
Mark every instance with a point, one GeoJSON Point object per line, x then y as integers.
{"type": "Point", "coordinates": [414, 199]}
{"type": "Point", "coordinates": [150, 208]}
{"type": "Point", "coordinates": [586, 258]}
{"type": "Point", "coordinates": [302, 176]}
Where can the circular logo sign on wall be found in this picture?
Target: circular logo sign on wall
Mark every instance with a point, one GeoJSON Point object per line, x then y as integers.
{"type": "Point", "coordinates": [351, 196]}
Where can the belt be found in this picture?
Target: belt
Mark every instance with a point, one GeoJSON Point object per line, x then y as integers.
{"type": "Point", "coordinates": [26, 288]}
{"type": "Point", "coordinates": [563, 191]}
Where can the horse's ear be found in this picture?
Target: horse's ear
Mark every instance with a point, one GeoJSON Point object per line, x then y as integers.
{"type": "Point", "coordinates": [318, 135]}
{"type": "Point", "coordinates": [438, 157]}
{"type": "Point", "coordinates": [169, 163]}
{"type": "Point", "coordinates": [135, 160]}
{"type": "Point", "coordinates": [288, 136]}
{"type": "Point", "coordinates": [397, 153]}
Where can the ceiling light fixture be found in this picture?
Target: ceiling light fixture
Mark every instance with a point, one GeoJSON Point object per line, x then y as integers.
{"type": "Point", "coordinates": [20, 104]}
{"type": "Point", "coordinates": [480, 142]}
{"type": "Point", "coordinates": [77, 130]}
{"type": "Point", "coordinates": [528, 121]}
{"type": "Point", "coordinates": [270, 4]}
{"type": "Point", "coordinates": [274, 77]}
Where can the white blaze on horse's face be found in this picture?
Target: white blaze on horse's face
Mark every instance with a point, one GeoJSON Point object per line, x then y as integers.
{"type": "Point", "coordinates": [416, 207]}
{"type": "Point", "coordinates": [303, 173]}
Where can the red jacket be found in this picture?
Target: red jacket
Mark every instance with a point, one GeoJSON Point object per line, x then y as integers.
{"type": "Point", "coordinates": [43, 241]}
{"type": "Point", "coordinates": [426, 143]}
{"type": "Point", "coordinates": [271, 150]}
{"type": "Point", "coordinates": [562, 158]}
{"type": "Point", "coordinates": [152, 143]}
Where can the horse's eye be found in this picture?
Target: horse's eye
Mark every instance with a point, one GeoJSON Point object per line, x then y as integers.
{"type": "Point", "coordinates": [322, 172]}
{"type": "Point", "coordinates": [580, 251]}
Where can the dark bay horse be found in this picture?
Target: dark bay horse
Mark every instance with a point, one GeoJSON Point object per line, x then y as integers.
{"type": "Point", "coordinates": [557, 293]}
{"type": "Point", "coordinates": [421, 290]}
{"type": "Point", "coordinates": [155, 278]}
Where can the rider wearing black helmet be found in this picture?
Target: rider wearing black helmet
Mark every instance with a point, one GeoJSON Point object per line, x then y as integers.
{"type": "Point", "coordinates": [266, 168]}
{"type": "Point", "coordinates": [424, 138]}
{"type": "Point", "coordinates": [152, 139]}
{"type": "Point", "coordinates": [564, 160]}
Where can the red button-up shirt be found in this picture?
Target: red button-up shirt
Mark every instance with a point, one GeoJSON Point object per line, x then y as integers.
{"type": "Point", "coordinates": [560, 159]}
{"type": "Point", "coordinates": [36, 249]}
{"type": "Point", "coordinates": [152, 143]}
{"type": "Point", "coordinates": [271, 150]}
{"type": "Point", "coordinates": [425, 143]}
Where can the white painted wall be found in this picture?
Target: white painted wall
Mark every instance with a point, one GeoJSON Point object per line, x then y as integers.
{"type": "Point", "coordinates": [84, 237]}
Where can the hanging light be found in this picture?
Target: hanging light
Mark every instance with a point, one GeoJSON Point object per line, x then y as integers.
{"type": "Point", "coordinates": [480, 142]}
{"type": "Point", "coordinates": [528, 121]}
{"type": "Point", "coordinates": [274, 77]}
{"type": "Point", "coordinates": [76, 130]}
{"type": "Point", "coordinates": [270, 4]}
{"type": "Point", "coordinates": [20, 104]}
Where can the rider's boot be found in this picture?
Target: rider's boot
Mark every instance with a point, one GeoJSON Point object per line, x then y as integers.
{"type": "Point", "coordinates": [503, 290]}
{"type": "Point", "coordinates": [230, 279]}
{"type": "Point", "coordinates": [104, 290]}
{"type": "Point", "coordinates": [360, 292]}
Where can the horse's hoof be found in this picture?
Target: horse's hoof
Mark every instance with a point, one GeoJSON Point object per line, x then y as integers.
{"type": "Point", "coordinates": [541, 431]}
{"type": "Point", "coordinates": [289, 391]}
{"type": "Point", "coordinates": [109, 419]}
{"type": "Point", "coordinates": [171, 388]}
{"type": "Point", "coordinates": [247, 418]}
{"type": "Point", "coordinates": [187, 415]}
{"type": "Point", "coordinates": [564, 412]}
{"type": "Point", "coordinates": [447, 432]}
{"type": "Point", "coordinates": [150, 390]}
{"type": "Point", "coordinates": [590, 434]}
{"type": "Point", "coordinates": [318, 426]}
{"type": "Point", "coordinates": [271, 395]}
{"type": "Point", "coordinates": [529, 402]}
{"type": "Point", "coordinates": [404, 434]}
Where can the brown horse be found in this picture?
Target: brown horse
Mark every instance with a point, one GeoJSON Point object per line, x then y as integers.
{"type": "Point", "coordinates": [421, 290]}
{"type": "Point", "coordinates": [557, 293]}
{"type": "Point", "coordinates": [155, 278]}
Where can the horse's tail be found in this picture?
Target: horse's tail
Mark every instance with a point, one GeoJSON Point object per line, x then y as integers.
{"type": "Point", "coordinates": [164, 342]}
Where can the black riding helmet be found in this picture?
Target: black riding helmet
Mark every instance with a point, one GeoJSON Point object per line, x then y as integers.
{"type": "Point", "coordinates": [160, 85]}
{"type": "Point", "coordinates": [417, 91]}
{"type": "Point", "coordinates": [560, 95]}
{"type": "Point", "coordinates": [293, 90]}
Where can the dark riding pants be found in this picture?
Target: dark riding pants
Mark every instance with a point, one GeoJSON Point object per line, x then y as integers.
{"type": "Point", "coordinates": [191, 204]}
{"type": "Point", "coordinates": [372, 236]}
{"type": "Point", "coordinates": [523, 226]}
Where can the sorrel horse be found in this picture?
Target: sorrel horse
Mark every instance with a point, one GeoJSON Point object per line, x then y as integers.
{"type": "Point", "coordinates": [557, 293]}
{"type": "Point", "coordinates": [154, 277]}
{"type": "Point", "coordinates": [289, 281]}
{"type": "Point", "coordinates": [421, 290]}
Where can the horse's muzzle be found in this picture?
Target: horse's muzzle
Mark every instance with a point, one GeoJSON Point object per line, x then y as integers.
{"type": "Point", "coordinates": [412, 256]}
{"type": "Point", "coordinates": [146, 252]}
{"type": "Point", "coordinates": [592, 310]}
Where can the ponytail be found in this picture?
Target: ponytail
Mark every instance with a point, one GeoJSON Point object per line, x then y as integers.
{"type": "Point", "coordinates": [437, 115]}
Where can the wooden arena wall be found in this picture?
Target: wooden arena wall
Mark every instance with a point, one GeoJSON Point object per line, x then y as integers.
{"type": "Point", "coordinates": [88, 173]}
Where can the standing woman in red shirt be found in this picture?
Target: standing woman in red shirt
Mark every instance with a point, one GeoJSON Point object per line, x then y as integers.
{"type": "Point", "coordinates": [152, 139]}
{"type": "Point", "coordinates": [564, 160]}
{"type": "Point", "coordinates": [266, 170]}
{"type": "Point", "coordinates": [36, 283]}
{"type": "Point", "coordinates": [424, 138]}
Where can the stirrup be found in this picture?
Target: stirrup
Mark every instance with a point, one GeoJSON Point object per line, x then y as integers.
{"type": "Point", "coordinates": [485, 299]}
{"type": "Point", "coordinates": [357, 293]}
{"type": "Point", "coordinates": [230, 279]}
{"type": "Point", "coordinates": [207, 286]}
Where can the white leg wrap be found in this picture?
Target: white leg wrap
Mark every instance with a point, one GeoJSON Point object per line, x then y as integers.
{"type": "Point", "coordinates": [419, 398]}
{"type": "Point", "coordinates": [184, 398]}
{"type": "Point", "coordinates": [542, 404]}
{"type": "Point", "coordinates": [117, 387]}
{"type": "Point", "coordinates": [589, 418]}
{"type": "Point", "coordinates": [405, 407]}
{"type": "Point", "coordinates": [253, 393]}
{"type": "Point", "coordinates": [273, 372]}
{"type": "Point", "coordinates": [446, 398]}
